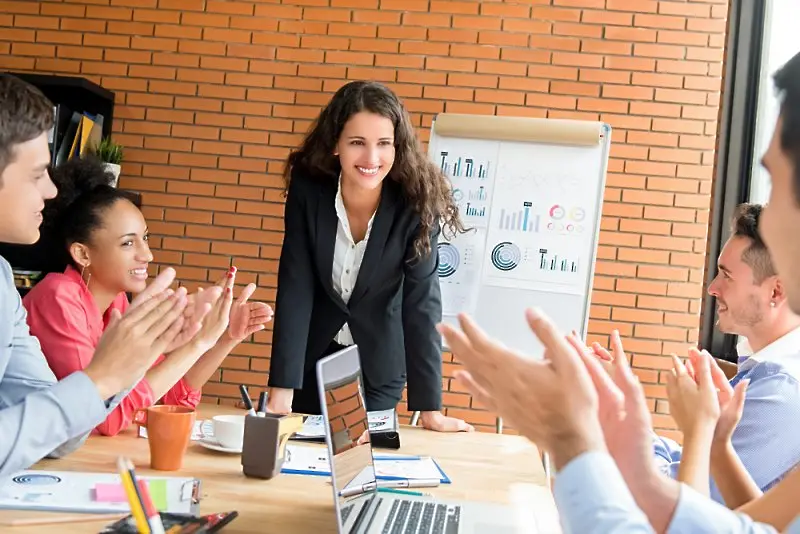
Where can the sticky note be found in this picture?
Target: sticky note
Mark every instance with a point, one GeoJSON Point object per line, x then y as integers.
{"type": "Point", "coordinates": [158, 493]}
{"type": "Point", "coordinates": [109, 493]}
{"type": "Point", "coordinates": [116, 493]}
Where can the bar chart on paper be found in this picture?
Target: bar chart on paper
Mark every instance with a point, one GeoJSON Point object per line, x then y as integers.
{"type": "Point", "coordinates": [463, 166]}
{"type": "Point", "coordinates": [471, 175]}
{"type": "Point", "coordinates": [522, 220]}
{"type": "Point", "coordinates": [473, 211]}
{"type": "Point", "coordinates": [554, 262]}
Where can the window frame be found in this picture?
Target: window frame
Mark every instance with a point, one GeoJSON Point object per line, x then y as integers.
{"type": "Point", "coordinates": [736, 145]}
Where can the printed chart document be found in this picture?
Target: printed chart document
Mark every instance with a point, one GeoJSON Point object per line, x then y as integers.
{"type": "Point", "coordinates": [460, 263]}
{"type": "Point", "coordinates": [540, 228]}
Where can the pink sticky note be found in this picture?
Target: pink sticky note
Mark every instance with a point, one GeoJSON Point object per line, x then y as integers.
{"type": "Point", "coordinates": [109, 493]}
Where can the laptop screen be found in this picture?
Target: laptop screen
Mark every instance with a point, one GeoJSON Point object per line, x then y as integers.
{"type": "Point", "coordinates": [347, 436]}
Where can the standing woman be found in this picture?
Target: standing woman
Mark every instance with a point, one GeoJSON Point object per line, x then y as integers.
{"type": "Point", "coordinates": [359, 258]}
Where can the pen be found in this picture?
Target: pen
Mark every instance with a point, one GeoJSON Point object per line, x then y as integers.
{"type": "Point", "coordinates": [410, 483]}
{"type": "Point", "coordinates": [262, 403]}
{"type": "Point", "coordinates": [357, 490]}
{"type": "Point", "coordinates": [246, 399]}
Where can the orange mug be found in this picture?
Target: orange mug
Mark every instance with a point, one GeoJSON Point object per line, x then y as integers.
{"type": "Point", "coordinates": [169, 429]}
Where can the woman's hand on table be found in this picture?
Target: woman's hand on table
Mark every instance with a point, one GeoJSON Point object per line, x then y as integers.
{"type": "Point", "coordinates": [279, 400]}
{"type": "Point", "coordinates": [441, 423]}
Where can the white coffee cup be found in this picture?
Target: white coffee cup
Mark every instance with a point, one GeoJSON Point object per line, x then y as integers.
{"type": "Point", "coordinates": [229, 430]}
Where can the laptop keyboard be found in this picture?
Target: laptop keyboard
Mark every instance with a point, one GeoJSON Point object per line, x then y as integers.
{"type": "Point", "coordinates": [346, 513]}
{"type": "Point", "coordinates": [417, 517]}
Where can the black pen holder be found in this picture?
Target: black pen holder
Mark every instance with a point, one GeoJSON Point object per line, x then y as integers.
{"type": "Point", "coordinates": [264, 446]}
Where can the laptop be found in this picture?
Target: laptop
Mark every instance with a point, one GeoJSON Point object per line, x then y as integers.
{"type": "Point", "coordinates": [360, 507]}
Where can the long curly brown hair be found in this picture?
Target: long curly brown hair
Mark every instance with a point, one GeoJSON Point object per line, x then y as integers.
{"type": "Point", "coordinates": [423, 183]}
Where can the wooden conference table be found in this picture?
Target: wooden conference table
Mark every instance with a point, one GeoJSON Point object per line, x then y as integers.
{"type": "Point", "coordinates": [482, 466]}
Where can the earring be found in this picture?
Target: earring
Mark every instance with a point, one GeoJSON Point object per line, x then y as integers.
{"type": "Point", "coordinates": [772, 303]}
{"type": "Point", "coordinates": [85, 281]}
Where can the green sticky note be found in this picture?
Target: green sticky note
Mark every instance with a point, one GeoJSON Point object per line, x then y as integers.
{"type": "Point", "coordinates": [158, 492]}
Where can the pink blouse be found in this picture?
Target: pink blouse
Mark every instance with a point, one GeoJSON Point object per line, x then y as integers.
{"type": "Point", "coordinates": [63, 315]}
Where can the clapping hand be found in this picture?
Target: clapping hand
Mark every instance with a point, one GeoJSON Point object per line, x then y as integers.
{"type": "Point", "coordinates": [247, 318]}
{"type": "Point", "coordinates": [551, 401]}
{"type": "Point", "coordinates": [692, 395]}
{"type": "Point", "coordinates": [196, 306]}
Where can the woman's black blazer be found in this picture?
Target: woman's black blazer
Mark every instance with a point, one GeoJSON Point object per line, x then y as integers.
{"type": "Point", "coordinates": [394, 308]}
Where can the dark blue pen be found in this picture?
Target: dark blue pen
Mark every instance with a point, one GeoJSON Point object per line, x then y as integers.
{"type": "Point", "coordinates": [246, 399]}
{"type": "Point", "coordinates": [262, 403]}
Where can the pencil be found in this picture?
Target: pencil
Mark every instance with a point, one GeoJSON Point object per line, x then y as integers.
{"type": "Point", "coordinates": [152, 515]}
{"type": "Point", "coordinates": [134, 500]}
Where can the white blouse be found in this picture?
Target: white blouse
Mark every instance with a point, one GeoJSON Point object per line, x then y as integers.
{"type": "Point", "coordinates": [347, 258]}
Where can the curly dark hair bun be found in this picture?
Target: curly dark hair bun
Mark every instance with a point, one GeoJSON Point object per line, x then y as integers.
{"type": "Point", "coordinates": [84, 193]}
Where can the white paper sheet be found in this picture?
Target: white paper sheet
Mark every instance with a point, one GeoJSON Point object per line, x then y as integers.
{"type": "Point", "coordinates": [541, 224]}
{"type": "Point", "coordinates": [423, 467]}
{"type": "Point", "coordinates": [460, 262]}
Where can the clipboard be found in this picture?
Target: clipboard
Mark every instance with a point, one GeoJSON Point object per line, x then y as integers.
{"type": "Point", "coordinates": [73, 492]}
{"type": "Point", "coordinates": [25, 518]}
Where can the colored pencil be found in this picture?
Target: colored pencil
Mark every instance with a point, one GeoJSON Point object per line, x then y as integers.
{"type": "Point", "coordinates": [153, 517]}
{"type": "Point", "coordinates": [134, 499]}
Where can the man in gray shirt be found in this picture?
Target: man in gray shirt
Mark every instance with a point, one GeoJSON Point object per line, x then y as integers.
{"type": "Point", "coordinates": [40, 416]}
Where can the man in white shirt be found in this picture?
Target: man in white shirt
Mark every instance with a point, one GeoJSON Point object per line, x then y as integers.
{"type": "Point", "coordinates": [751, 302]}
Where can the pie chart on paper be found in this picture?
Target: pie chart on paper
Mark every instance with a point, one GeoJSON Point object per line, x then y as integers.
{"type": "Point", "coordinates": [449, 260]}
{"type": "Point", "coordinates": [506, 256]}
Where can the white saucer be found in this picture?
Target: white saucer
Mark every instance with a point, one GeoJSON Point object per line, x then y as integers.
{"type": "Point", "coordinates": [215, 446]}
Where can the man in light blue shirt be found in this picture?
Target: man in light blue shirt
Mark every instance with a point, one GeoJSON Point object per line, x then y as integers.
{"type": "Point", "coordinates": [596, 426]}
{"type": "Point", "coordinates": [751, 302]}
{"type": "Point", "coordinates": [40, 416]}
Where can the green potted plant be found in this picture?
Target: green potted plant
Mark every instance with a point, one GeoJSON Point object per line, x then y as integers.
{"type": "Point", "coordinates": [110, 153]}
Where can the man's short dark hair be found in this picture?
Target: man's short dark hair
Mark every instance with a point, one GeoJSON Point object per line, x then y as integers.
{"type": "Point", "coordinates": [745, 224]}
{"type": "Point", "coordinates": [25, 113]}
{"type": "Point", "coordinates": [787, 82]}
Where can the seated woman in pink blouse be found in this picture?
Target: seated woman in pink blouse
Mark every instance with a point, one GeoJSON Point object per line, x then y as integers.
{"type": "Point", "coordinates": [103, 238]}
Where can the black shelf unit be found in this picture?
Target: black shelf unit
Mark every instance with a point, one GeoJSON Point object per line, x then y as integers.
{"type": "Point", "coordinates": [76, 94]}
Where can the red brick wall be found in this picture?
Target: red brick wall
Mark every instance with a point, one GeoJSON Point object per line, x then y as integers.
{"type": "Point", "coordinates": [346, 413]}
{"type": "Point", "coordinates": [212, 95]}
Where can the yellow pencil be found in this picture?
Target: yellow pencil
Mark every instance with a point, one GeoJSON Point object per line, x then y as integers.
{"type": "Point", "coordinates": [137, 509]}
